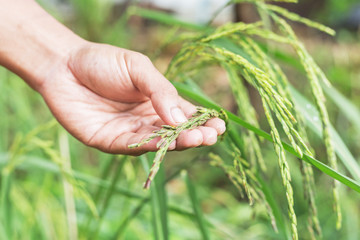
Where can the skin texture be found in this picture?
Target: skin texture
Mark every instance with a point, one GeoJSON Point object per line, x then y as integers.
{"type": "Point", "coordinates": [107, 97]}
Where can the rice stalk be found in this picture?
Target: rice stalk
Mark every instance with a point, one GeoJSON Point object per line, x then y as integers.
{"type": "Point", "coordinates": [229, 29]}
{"type": "Point", "coordinates": [299, 126]}
{"type": "Point", "coordinates": [244, 181]}
{"type": "Point", "coordinates": [276, 102]}
{"type": "Point", "coordinates": [284, 170]}
{"type": "Point", "coordinates": [176, 65]}
{"type": "Point", "coordinates": [276, 72]}
{"type": "Point", "coordinates": [314, 74]}
{"type": "Point", "coordinates": [169, 134]}
{"type": "Point", "coordinates": [238, 165]}
{"type": "Point", "coordinates": [296, 18]}
{"type": "Point", "coordinates": [246, 110]}
{"type": "Point", "coordinates": [255, 66]}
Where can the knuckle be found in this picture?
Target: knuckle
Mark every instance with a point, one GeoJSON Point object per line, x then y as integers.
{"type": "Point", "coordinates": [140, 58]}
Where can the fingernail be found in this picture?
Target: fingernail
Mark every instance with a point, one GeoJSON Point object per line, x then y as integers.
{"type": "Point", "coordinates": [178, 115]}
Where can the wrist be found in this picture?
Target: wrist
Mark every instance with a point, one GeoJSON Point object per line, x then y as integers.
{"type": "Point", "coordinates": [32, 43]}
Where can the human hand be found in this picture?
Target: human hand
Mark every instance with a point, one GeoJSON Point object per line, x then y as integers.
{"type": "Point", "coordinates": [109, 98]}
{"type": "Point", "coordinates": [106, 97]}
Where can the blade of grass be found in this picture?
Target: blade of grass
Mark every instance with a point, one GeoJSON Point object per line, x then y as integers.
{"type": "Point", "coordinates": [189, 164]}
{"type": "Point", "coordinates": [2, 232]}
{"type": "Point", "coordinates": [68, 188]}
{"type": "Point", "coordinates": [5, 201]}
{"type": "Point", "coordinates": [121, 229]}
{"type": "Point", "coordinates": [282, 56]}
{"type": "Point", "coordinates": [163, 18]}
{"type": "Point", "coordinates": [162, 200]}
{"type": "Point", "coordinates": [45, 165]}
{"type": "Point", "coordinates": [311, 115]}
{"type": "Point", "coordinates": [153, 200]}
{"type": "Point", "coordinates": [282, 227]}
{"type": "Point", "coordinates": [211, 222]}
{"type": "Point", "coordinates": [280, 223]}
{"type": "Point", "coordinates": [35, 162]}
{"type": "Point", "coordinates": [352, 219]}
{"type": "Point", "coordinates": [159, 199]}
{"type": "Point", "coordinates": [345, 106]}
{"type": "Point", "coordinates": [275, 208]}
{"type": "Point", "coordinates": [105, 172]}
{"type": "Point", "coordinates": [124, 223]}
{"type": "Point", "coordinates": [109, 195]}
{"type": "Point", "coordinates": [182, 89]}
{"type": "Point", "coordinates": [196, 207]}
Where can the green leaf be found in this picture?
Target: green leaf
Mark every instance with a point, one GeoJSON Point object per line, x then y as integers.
{"type": "Point", "coordinates": [276, 209]}
{"type": "Point", "coordinates": [153, 200]}
{"type": "Point", "coordinates": [182, 89]}
{"type": "Point", "coordinates": [158, 200]}
{"type": "Point", "coordinates": [163, 18]}
{"type": "Point", "coordinates": [312, 118]}
{"type": "Point", "coordinates": [110, 193]}
{"type": "Point", "coordinates": [196, 207]}
{"type": "Point", "coordinates": [162, 201]}
{"type": "Point", "coordinates": [269, 195]}
{"type": "Point", "coordinates": [351, 112]}
{"type": "Point", "coordinates": [43, 164]}
{"type": "Point", "coordinates": [345, 106]}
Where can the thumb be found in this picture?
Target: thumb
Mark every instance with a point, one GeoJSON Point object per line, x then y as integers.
{"type": "Point", "coordinates": [150, 82]}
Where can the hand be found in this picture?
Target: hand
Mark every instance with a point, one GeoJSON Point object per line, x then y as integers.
{"type": "Point", "coordinates": [109, 98]}
{"type": "Point", "coordinates": [105, 96]}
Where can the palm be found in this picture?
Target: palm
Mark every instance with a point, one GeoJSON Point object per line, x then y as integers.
{"type": "Point", "coordinates": [98, 103]}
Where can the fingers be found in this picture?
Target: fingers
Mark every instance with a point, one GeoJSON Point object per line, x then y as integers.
{"type": "Point", "coordinates": [217, 124]}
{"type": "Point", "coordinates": [204, 136]}
{"type": "Point", "coordinates": [188, 139]}
{"type": "Point", "coordinates": [171, 108]}
{"type": "Point", "coordinates": [120, 145]}
{"type": "Point", "coordinates": [188, 108]}
{"type": "Point", "coordinates": [209, 135]}
{"type": "Point", "coordinates": [154, 85]}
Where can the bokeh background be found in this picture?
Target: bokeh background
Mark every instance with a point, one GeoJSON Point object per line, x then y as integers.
{"type": "Point", "coordinates": [53, 187]}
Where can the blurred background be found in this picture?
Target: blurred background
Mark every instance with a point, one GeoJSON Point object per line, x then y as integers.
{"type": "Point", "coordinates": [53, 187]}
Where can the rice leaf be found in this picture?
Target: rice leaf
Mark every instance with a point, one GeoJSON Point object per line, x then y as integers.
{"type": "Point", "coordinates": [312, 118]}
{"type": "Point", "coordinates": [163, 18]}
{"type": "Point", "coordinates": [296, 18]}
{"type": "Point", "coordinates": [182, 89]}
{"type": "Point", "coordinates": [345, 106]}
{"type": "Point", "coordinates": [196, 206]}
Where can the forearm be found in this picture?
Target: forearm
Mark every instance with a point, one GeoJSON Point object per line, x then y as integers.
{"type": "Point", "coordinates": [32, 42]}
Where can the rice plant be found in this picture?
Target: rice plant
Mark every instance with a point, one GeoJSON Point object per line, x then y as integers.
{"type": "Point", "coordinates": [237, 48]}
{"type": "Point", "coordinates": [54, 188]}
{"type": "Point", "coordinates": [168, 134]}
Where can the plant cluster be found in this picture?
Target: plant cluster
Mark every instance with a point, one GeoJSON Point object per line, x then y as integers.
{"type": "Point", "coordinates": [239, 48]}
{"type": "Point", "coordinates": [52, 187]}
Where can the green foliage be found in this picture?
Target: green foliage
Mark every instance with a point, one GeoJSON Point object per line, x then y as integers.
{"type": "Point", "coordinates": [54, 188]}
{"type": "Point", "coordinates": [259, 70]}
{"type": "Point", "coordinates": [196, 207]}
